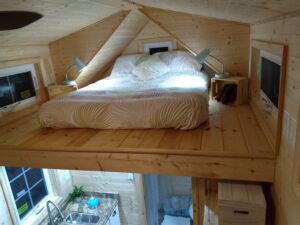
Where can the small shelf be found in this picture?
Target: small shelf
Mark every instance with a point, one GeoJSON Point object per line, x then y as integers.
{"type": "Point", "coordinates": [217, 85]}
{"type": "Point", "coordinates": [58, 90]}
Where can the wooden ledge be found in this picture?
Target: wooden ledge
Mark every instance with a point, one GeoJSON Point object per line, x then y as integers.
{"type": "Point", "coordinates": [230, 146]}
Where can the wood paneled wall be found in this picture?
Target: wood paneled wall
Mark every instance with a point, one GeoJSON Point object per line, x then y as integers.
{"type": "Point", "coordinates": [60, 18]}
{"type": "Point", "coordinates": [285, 31]}
{"type": "Point", "coordinates": [84, 43]}
{"type": "Point", "coordinates": [270, 119]}
{"type": "Point", "coordinates": [235, 10]}
{"type": "Point", "coordinates": [99, 44]}
{"type": "Point", "coordinates": [150, 33]}
{"type": "Point", "coordinates": [132, 206]}
{"type": "Point", "coordinates": [229, 41]}
{"type": "Point", "coordinates": [21, 55]}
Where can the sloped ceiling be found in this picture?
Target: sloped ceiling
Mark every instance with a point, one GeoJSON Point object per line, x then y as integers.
{"type": "Point", "coordinates": [228, 41]}
{"type": "Point", "coordinates": [84, 44]}
{"type": "Point", "coordinates": [61, 17]}
{"type": "Point", "coordinates": [150, 33]}
{"type": "Point", "coordinates": [246, 11]}
{"type": "Point", "coordinates": [113, 47]}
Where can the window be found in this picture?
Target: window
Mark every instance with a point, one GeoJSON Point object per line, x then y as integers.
{"type": "Point", "coordinates": [163, 46]}
{"type": "Point", "coordinates": [28, 188]}
{"type": "Point", "coordinates": [159, 49]}
{"type": "Point", "coordinates": [17, 84]}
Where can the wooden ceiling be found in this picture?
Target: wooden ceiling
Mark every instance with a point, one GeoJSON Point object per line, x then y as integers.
{"type": "Point", "coordinates": [63, 17]}
{"type": "Point", "coordinates": [245, 11]}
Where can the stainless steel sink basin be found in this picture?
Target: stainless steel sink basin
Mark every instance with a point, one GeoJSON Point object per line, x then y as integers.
{"type": "Point", "coordinates": [82, 218]}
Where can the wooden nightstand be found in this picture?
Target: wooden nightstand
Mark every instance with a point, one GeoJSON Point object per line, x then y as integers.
{"type": "Point", "coordinates": [58, 90]}
{"type": "Point", "coordinates": [217, 85]}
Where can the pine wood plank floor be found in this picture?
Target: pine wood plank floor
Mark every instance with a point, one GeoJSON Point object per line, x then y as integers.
{"type": "Point", "coordinates": [231, 136]}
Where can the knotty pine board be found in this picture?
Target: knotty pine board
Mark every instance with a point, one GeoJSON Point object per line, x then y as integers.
{"type": "Point", "coordinates": [206, 151]}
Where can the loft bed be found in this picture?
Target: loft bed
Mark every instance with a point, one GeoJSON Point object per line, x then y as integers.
{"type": "Point", "coordinates": [230, 146]}
{"type": "Point", "coordinates": [164, 90]}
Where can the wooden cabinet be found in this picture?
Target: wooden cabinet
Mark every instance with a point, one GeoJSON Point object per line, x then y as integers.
{"type": "Point", "coordinates": [241, 204]}
{"type": "Point", "coordinates": [58, 90]}
{"type": "Point", "coordinates": [217, 85]}
{"type": "Point", "coordinates": [114, 219]}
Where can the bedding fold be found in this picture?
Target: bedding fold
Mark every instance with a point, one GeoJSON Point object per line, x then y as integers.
{"type": "Point", "coordinates": [176, 100]}
{"type": "Point", "coordinates": [164, 90]}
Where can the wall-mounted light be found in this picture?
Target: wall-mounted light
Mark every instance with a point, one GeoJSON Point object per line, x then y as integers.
{"type": "Point", "coordinates": [202, 56]}
{"type": "Point", "coordinates": [79, 65]}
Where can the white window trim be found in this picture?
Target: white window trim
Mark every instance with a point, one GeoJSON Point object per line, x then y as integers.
{"type": "Point", "coordinates": [20, 69]}
{"type": "Point", "coordinates": [39, 212]}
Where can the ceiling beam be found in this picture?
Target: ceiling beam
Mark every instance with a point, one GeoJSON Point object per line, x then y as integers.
{"type": "Point", "coordinates": [85, 44]}
{"type": "Point", "coordinates": [113, 47]}
{"type": "Point", "coordinates": [166, 30]}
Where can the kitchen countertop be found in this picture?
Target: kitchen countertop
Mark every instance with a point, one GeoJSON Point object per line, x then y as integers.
{"type": "Point", "coordinates": [108, 202]}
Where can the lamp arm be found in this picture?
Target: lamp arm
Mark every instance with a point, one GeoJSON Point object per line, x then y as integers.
{"type": "Point", "coordinates": [216, 59]}
{"type": "Point", "coordinates": [68, 69]}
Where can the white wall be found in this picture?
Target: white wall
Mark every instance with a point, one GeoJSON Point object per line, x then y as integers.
{"type": "Point", "coordinates": [132, 209]}
{"type": "Point", "coordinates": [63, 181]}
{"type": "Point", "coordinates": [4, 213]}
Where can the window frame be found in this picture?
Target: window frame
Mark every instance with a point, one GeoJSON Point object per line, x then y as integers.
{"type": "Point", "coordinates": [36, 212]}
{"type": "Point", "coordinates": [158, 44]}
{"type": "Point", "coordinates": [10, 71]}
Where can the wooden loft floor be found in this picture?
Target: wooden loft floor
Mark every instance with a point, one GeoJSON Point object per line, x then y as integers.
{"type": "Point", "coordinates": [230, 146]}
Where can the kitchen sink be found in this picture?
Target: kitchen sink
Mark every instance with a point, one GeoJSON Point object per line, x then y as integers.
{"type": "Point", "coordinates": [82, 218]}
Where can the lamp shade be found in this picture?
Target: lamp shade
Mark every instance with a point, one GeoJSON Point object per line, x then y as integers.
{"type": "Point", "coordinates": [79, 64]}
{"type": "Point", "coordinates": [201, 57]}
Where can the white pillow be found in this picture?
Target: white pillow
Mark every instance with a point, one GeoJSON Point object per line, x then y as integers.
{"type": "Point", "coordinates": [181, 61]}
{"type": "Point", "coordinates": [151, 68]}
{"type": "Point", "coordinates": [124, 65]}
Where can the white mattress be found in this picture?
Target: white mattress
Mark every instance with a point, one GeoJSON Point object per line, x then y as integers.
{"type": "Point", "coordinates": [176, 100]}
{"type": "Point", "coordinates": [175, 220]}
{"type": "Point", "coordinates": [163, 91]}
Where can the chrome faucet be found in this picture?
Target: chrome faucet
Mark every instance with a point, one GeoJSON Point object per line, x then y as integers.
{"type": "Point", "coordinates": [49, 212]}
